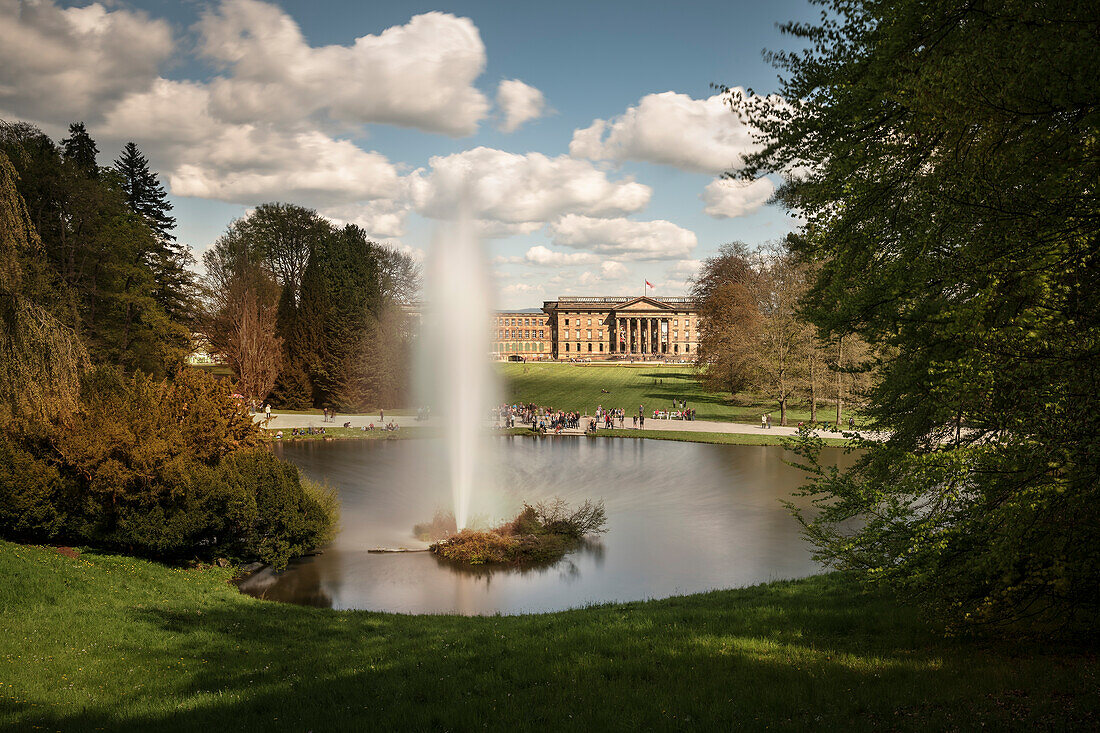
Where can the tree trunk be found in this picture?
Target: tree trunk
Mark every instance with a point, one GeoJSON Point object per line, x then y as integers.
{"type": "Point", "coordinates": [782, 410]}
{"type": "Point", "coordinates": [813, 388]}
{"type": "Point", "coordinates": [839, 379]}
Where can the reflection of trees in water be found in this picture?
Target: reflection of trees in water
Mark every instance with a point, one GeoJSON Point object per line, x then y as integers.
{"type": "Point", "coordinates": [565, 566]}
{"type": "Point", "coordinates": [300, 583]}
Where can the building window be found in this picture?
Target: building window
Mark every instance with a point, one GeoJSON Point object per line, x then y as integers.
{"type": "Point", "coordinates": [540, 333]}
{"type": "Point", "coordinates": [589, 321]}
{"type": "Point", "coordinates": [687, 348]}
{"type": "Point", "coordinates": [567, 347]}
{"type": "Point", "coordinates": [589, 334]}
{"type": "Point", "coordinates": [567, 321]}
{"type": "Point", "coordinates": [590, 348]}
{"type": "Point", "coordinates": [601, 347]}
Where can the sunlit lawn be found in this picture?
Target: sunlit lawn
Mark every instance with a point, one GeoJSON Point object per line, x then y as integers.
{"type": "Point", "coordinates": [112, 643]}
{"type": "Point", "coordinates": [580, 387]}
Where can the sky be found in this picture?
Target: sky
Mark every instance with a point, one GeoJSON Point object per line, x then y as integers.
{"type": "Point", "coordinates": [583, 138]}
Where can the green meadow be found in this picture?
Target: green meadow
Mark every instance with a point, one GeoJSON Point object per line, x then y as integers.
{"type": "Point", "coordinates": [107, 642]}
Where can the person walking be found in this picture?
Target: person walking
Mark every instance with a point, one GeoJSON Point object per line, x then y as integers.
{"type": "Point", "coordinates": [763, 422]}
{"type": "Point", "coordinates": [769, 422]}
{"type": "Point", "coordinates": [267, 413]}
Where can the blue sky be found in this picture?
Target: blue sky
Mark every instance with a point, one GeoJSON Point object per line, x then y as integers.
{"type": "Point", "coordinates": [237, 102]}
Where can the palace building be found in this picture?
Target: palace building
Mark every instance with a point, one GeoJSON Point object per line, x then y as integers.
{"type": "Point", "coordinates": [622, 327]}
{"type": "Point", "coordinates": [521, 333]}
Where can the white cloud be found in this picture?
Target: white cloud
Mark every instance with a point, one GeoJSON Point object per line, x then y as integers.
{"type": "Point", "coordinates": [207, 157]}
{"type": "Point", "coordinates": [65, 64]}
{"type": "Point", "coordinates": [701, 135]}
{"type": "Point", "coordinates": [623, 238]}
{"type": "Point", "coordinates": [612, 270]}
{"type": "Point", "coordinates": [418, 75]}
{"type": "Point", "coordinates": [380, 219]}
{"type": "Point", "coordinates": [520, 192]}
{"type": "Point", "coordinates": [539, 255]}
{"type": "Point", "coordinates": [519, 103]}
{"type": "Point", "coordinates": [685, 267]}
{"type": "Point", "coordinates": [725, 198]}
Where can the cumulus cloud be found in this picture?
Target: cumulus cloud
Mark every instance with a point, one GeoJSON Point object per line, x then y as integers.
{"type": "Point", "coordinates": [539, 255]}
{"type": "Point", "coordinates": [520, 192]}
{"type": "Point", "coordinates": [518, 102]}
{"type": "Point", "coordinates": [418, 75]}
{"type": "Point", "coordinates": [685, 268]}
{"type": "Point", "coordinates": [700, 135]}
{"type": "Point", "coordinates": [623, 238]}
{"type": "Point", "coordinates": [63, 64]}
{"type": "Point", "coordinates": [725, 198]}
{"type": "Point", "coordinates": [207, 157]}
{"type": "Point", "coordinates": [381, 219]}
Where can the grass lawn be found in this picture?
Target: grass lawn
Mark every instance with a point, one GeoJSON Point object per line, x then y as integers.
{"type": "Point", "coordinates": [578, 387]}
{"type": "Point", "coordinates": [104, 642]}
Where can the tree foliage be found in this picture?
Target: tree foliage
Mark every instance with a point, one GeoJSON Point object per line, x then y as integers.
{"type": "Point", "coordinates": [944, 157]}
{"type": "Point", "coordinates": [94, 263]}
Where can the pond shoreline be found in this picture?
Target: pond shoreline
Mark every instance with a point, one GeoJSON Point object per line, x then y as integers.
{"type": "Point", "coordinates": [683, 436]}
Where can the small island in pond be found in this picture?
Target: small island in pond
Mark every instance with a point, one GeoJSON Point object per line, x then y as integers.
{"type": "Point", "coordinates": [541, 533]}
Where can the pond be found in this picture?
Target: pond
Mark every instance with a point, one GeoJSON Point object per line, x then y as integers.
{"type": "Point", "coordinates": [682, 518]}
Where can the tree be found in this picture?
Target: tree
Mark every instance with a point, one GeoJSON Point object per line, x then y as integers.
{"type": "Point", "coordinates": [169, 260]}
{"type": "Point", "coordinates": [781, 336]}
{"type": "Point", "coordinates": [727, 291]}
{"type": "Point", "coordinates": [41, 361]}
{"type": "Point", "coordinates": [944, 157]}
{"type": "Point", "coordinates": [285, 234]}
{"type": "Point", "coordinates": [80, 148]}
{"type": "Point", "coordinates": [241, 300]}
{"type": "Point", "coordinates": [96, 274]}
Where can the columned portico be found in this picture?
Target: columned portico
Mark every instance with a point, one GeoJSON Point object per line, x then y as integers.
{"type": "Point", "coordinates": [639, 327]}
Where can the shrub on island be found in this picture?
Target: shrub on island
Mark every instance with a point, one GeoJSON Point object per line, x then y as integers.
{"type": "Point", "coordinates": [167, 469]}
{"type": "Point", "coordinates": [541, 533]}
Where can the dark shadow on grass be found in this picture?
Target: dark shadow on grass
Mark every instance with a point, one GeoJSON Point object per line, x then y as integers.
{"type": "Point", "coordinates": [836, 658]}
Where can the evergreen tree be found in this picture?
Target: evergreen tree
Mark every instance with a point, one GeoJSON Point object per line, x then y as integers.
{"type": "Point", "coordinates": [80, 148]}
{"type": "Point", "coordinates": [144, 192]}
{"type": "Point", "coordinates": [169, 260]}
{"type": "Point", "coordinates": [96, 257]}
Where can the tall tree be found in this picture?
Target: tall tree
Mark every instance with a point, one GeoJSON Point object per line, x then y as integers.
{"type": "Point", "coordinates": [286, 235]}
{"type": "Point", "coordinates": [727, 291]}
{"type": "Point", "coordinates": [944, 157]}
{"type": "Point", "coordinates": [80, 148]}
{"type": "Point", "coordinates": [169, 261]}
{"type": "Point", "coordinates": [96, 250]}
{"type": "Point", "coordinates": [41, 360]}
{"type": "Point", "coordinates": [781, 357]}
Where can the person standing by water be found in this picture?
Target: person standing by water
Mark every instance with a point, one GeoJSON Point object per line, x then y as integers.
{"type": "Point", "coordinates": [381, 415]}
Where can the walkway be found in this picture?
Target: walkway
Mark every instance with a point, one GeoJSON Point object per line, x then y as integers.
{"type": "Point", "coordinates": [286, 421]}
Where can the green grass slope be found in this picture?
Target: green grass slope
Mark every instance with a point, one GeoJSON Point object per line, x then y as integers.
{"type": "Point", "coordinates": [578, 387]}
{"type": "Point", "coordinates": [106, 642]}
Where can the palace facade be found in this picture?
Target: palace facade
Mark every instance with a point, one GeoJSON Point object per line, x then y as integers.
{"type": "Point", "coordinates": [622, 327]}
{"type": "Point", "coordinates": [521, 333]}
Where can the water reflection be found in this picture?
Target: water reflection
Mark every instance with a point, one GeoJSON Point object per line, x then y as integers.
{"type": "Point", "coordinates": [682, 518]}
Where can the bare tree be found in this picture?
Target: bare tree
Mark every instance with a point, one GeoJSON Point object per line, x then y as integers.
{"type": "Point", "coordinates": [254, 351]}
{"type": "Point", "coordinates": [781, 341]}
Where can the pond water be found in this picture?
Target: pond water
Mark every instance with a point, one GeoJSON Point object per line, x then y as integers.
{"type": "Point", "coordinates": [681, 518]}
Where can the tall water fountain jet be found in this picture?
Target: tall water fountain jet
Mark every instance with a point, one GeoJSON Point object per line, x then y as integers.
{"type": "Point", "coordinates": [456, 376]}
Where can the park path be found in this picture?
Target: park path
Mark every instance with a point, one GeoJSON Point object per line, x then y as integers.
{"type": "Point", "coordinates": [287, 421]}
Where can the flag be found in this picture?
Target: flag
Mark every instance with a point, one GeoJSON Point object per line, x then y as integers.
{"type": "Point", "coordinates": [647, 282]}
